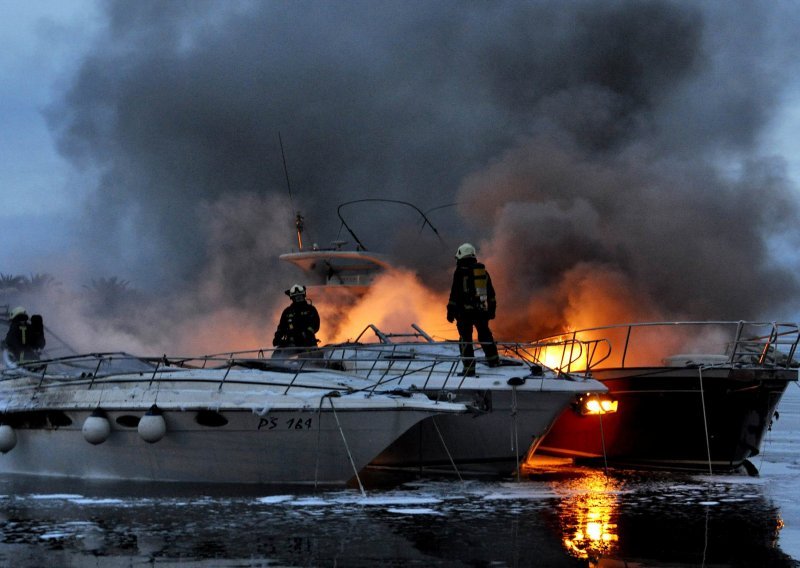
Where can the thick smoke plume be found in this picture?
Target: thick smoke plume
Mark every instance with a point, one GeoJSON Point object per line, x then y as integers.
{"type": "Point", "coordinates": [603, 156]}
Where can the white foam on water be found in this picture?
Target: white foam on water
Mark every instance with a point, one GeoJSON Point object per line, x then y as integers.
{"type": "Point", "coordinates": [88, 501]}
{"type": "Point", "coordinates": [413, 511]}
{"type": "Point", "coordinates": [398, 500]}
{"type": "Point", "coordinates": [272, 499]}
{"type": "Point", "coordinates": [53, 536]}
{"type": "Point", "coordinates": [56, 496]}
{"type": "Point", "coordinates": [310, 502]}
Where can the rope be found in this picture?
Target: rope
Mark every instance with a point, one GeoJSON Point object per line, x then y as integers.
{"type": "Point", "coordinates": [705, 419]}
{"type": "Point", "coordinates": [705, 537]}
{"type": "Point", "coordinates": [515, 428]}
{"type": "Point", "coordinates": [319, 433]}
{"type": "Point", "coordinates": [347, 447]}
{"type": "Point", "coordinates": [447, 451]}
{"type": "Point", "coordinates": [603, 442]}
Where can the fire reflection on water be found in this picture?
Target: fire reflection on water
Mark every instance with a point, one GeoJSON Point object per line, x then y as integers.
{"type": "Point", "coordinates": [588, 516]}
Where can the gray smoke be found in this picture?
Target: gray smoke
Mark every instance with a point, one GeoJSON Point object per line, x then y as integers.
{"type": "Point", "coordinates": [619, 136]}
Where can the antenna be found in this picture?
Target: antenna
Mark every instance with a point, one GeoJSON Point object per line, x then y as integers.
{"type": "Point", "coordinates": [425, 220]}
{"type": "Point", "coordinates": [298, 219]}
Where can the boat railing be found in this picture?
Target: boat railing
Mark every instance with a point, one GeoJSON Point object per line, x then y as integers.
{"type": "Point", "coordinates": [388, 337]}
{"type": "Point", "coordinates": [392, 363]}
{"type": "Point", "coordinates": [395, 360]}
{"type": "Point", "coordinates": [399, 360]}
{"type": "Point", "coordinates": [384, 365]}
{"type": "Point", "coordinates": [679, 342]}
{"type": "Point", "coordinates": [99, 370]}
{"type": "Point", "coordinates": [565, 353]}
{"type": "Point", "coordinates": [526, 351]}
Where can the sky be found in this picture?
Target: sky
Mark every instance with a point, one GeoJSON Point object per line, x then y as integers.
{"type": "Point", "coordinates": [40, 45]}
{"type": "Point", "coordinates": [625, 159]}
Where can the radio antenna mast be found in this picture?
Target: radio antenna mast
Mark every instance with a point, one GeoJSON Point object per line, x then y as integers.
{"type": "Point", "coordinates": [298, 218]}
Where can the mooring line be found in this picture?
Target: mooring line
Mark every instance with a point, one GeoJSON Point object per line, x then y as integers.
{"type": "Point", "coordinates": [603, 440]}
{"type": "Point", "coordinates": [319, 434]}
{"type": "Point", "coordinates": [515, 427]}
{"type": "Point", "coordinates": [446, 449]}
{"type": "Point", "coordinates": [347, 447]}
{"type": "Point", "coordinates": [705, 419]}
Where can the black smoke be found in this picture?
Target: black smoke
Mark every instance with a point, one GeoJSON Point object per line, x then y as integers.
{"type": "Point", "coordinates": [562, 137]}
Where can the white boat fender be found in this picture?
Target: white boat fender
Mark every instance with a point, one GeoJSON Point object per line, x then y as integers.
{"type": "Point", "coordinates": [8, 438]}
{"type": "Point", "coordinates": [152, 427]}
{"type": "Point", "coordinates": [96, 428]}
{"type": "Point", "coordinates": [8, 360]}
{"type": "Point", "coordinates": [516, 381]}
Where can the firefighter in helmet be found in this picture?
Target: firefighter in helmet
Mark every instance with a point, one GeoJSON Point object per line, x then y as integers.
{"type": "Point", "coordinates": [299, 322]}
{"type": "Point", "coordinates": [25, 337]}
{"type": "Point", "coordinates": [472, 304]}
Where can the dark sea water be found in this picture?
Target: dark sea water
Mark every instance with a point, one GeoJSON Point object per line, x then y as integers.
{"type": "Point", "coordinates": [561, 516]}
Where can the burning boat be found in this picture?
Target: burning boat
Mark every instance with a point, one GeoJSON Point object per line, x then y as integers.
{"type": "Point", "coordinates": [686, 395]}
{"type": "Point", "coordinates": [116, 416]}
{"type": "Point", "coordinates": [337, 268]}
{"type": "Point", "coordinates": [512, 405]}
{"type": "Point", "coordinates": [334, 267]}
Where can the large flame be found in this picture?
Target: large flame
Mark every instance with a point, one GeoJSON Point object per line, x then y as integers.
{"type": "Point", "coordinates": [586, 296]}
{"type": "Point", "coordinates": [395, 300]}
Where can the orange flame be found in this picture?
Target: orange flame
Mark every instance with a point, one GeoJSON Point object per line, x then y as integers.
{"type": "Point", "coordinates": [395, 300]}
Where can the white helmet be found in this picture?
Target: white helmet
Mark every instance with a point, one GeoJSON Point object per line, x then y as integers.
{"type": "Point", "coordinates": [17, 311]}
{"type": "Point", "coordinates": [464, 251]}
{"type": "Point", "coordinates": [296, 290]}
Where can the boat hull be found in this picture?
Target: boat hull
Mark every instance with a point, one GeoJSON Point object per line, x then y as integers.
{"type": "Point", "coordinates": [492, 440]}
{"type": "Point", "coordinates": [513, 404]}
{"type": "Point", "coordinates": [279, 447]}
{"type": "Point", "coordinates": [676, 418]}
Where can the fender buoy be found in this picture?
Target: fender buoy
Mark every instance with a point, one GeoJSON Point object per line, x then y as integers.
{"type": "Point", "coordinates": [8, 360]}
{"type": "Point", "coordinates": [152, 427]}
{"type": "Point", "coordinates": [96, 428]}
{"type": "Point", "coordinates": [8, 438]}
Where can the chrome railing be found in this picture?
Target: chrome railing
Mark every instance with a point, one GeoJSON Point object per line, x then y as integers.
{"type": "Point", "coordinates": [654, 343]}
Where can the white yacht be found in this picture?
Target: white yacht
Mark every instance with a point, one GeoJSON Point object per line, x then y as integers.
{"type": "Point", "coordinates": [512, 406]}
{"type": "Point", "coordinates": [116, 416]}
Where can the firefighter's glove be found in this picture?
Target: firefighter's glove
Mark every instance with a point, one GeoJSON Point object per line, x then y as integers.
{"type": "Point", "coordinates": [450, 317]}
{"type": "Point", "coordinates": [491, 314]}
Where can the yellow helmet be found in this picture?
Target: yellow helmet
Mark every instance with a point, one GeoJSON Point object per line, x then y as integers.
{"type": "Point", "coordinates": [19, 310]}
{"type": "Point", "coordinates": [464, 251]}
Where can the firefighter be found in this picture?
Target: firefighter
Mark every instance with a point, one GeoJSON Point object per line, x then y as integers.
{"type": "Point", "coordinates": [25, 338]}
{"type": "Point", "coordinates": [298, 325]}
{"type": "Point", "coordinates": [472, 304]}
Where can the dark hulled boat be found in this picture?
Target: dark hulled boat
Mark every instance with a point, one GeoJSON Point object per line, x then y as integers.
{"type": "Point", "coordinates": [687, 395]}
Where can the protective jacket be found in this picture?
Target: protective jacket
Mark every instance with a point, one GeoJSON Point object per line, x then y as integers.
{"type": "Point", "coordinates": [298, 326]}
{"type": "Point", "coordinates": [472, 294]}
{"type": "Point", "coordinates": [25, 338]}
